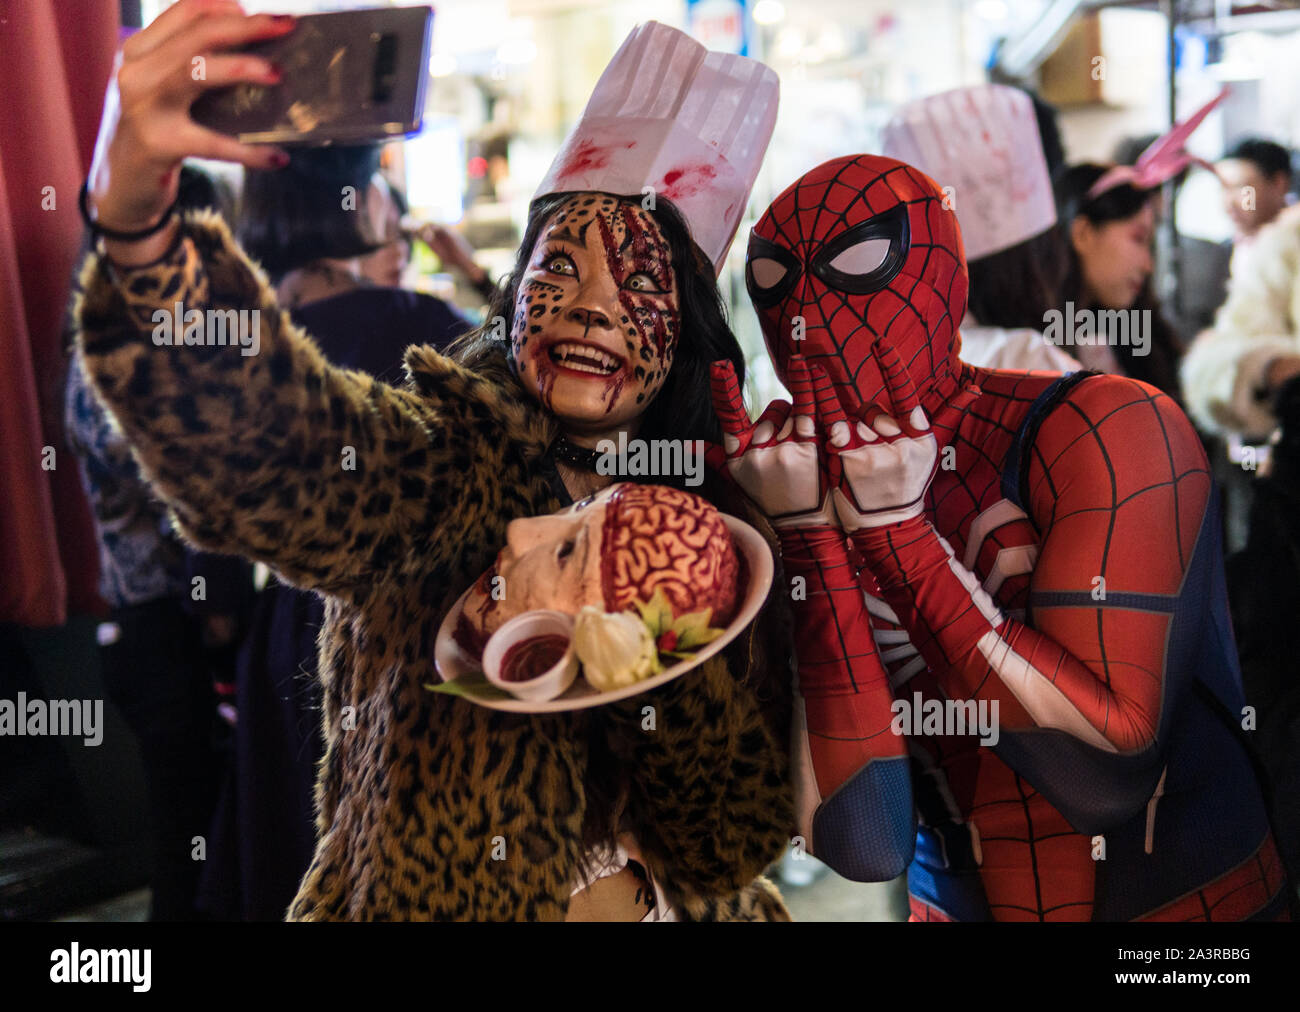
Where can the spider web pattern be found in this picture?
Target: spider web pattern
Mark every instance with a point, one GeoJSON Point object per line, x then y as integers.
{"type": "Point", "coordinates": [917, 311]}
{"type": "Point", "coordinates": [1117, 493]}
{"type": "Point", "coordinates": [843, 683]}
{"type": "Point", "coordinates": [1118, 488]}
{"type": "Point", "coordinates": [1234, 896]}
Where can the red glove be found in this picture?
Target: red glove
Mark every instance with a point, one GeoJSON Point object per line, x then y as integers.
{"type": "Point", "coordinates": [844, 721]}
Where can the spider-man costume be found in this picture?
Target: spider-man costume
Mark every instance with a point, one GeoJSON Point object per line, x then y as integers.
{"type": "Point", "coordinates": [1063, 562]}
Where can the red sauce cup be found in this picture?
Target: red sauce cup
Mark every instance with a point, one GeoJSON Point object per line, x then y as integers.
{"type": "Point", "coordinates": [532, 657]}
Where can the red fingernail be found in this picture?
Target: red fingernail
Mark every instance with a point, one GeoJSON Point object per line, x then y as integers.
{"type": "Point", "coordinates": [280, 159]}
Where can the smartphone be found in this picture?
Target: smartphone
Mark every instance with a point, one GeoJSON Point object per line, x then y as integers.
{"type": "Point", "coordinates": [348, 77]}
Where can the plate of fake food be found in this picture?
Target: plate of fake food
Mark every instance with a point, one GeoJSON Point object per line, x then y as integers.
{"type": "Point", "coordinates": [546, 660]}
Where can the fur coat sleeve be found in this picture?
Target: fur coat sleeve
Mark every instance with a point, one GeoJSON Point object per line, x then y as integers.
{"type": "Point", "coordinates": [378, 468]}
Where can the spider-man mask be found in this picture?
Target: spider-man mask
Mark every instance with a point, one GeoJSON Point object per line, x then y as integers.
{"type": "Point", "coordinates": [859, 250]}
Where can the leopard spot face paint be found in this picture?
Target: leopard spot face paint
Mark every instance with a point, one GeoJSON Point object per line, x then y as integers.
{"type": "Point", "coordinates": [597, 316]}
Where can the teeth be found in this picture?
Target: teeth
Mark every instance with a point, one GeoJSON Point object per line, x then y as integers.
{"type": "Point", "coordinates": [584, 358]}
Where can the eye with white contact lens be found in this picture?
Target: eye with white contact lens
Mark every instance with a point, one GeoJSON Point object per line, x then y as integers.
{"type": "Point", "coordinates": [643, 282]}
{"type": "Point", "coordinates": [766, 272]}
{"type": "Point", "coordinates": [863, 257]}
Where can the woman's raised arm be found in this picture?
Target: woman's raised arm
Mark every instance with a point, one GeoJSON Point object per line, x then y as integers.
{"type": "Point", "coordinates": [258, 445]}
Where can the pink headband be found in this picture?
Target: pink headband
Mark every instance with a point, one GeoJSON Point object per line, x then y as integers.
{"type": "Point", "coordinates": [1163, 160]}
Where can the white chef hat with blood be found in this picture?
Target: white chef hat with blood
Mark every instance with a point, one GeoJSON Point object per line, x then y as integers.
{"type": "Point", "coordinates": [983, 142]}
{"type": "Point", "coordinates": [690, 124]}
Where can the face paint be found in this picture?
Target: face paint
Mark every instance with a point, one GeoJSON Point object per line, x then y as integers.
{"type": "Point", "coordinates": [596, 317]}
{"type": "Point", "coordinates": [646, 254]}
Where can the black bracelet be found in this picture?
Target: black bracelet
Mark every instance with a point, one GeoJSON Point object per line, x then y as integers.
{"type": "Point", "coordinates": [112, 233]}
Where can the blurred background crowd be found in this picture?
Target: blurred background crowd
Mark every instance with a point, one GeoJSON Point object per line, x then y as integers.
{"type": "Point", "coordinates": [203, 807]}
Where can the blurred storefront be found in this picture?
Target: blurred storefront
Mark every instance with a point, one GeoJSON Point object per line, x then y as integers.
{"type": "Point", "coordinates": [509, 76]}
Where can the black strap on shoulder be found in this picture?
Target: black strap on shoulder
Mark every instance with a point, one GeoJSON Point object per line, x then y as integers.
{"type": "Point", "coordinates": [1015, 466]}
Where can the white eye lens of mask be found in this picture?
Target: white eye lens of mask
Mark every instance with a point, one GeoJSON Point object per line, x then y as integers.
{"type": "Point", "coordinates": [766, 271]}
{"type": "Point", "coordinates": [863, 257]}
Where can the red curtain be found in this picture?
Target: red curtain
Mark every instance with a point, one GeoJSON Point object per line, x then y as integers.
{"type": "Point", "coordinates": [55, 61]}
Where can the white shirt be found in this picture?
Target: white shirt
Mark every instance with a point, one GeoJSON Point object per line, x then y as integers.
{"type": "Point", "coordinates": [1022, 348]}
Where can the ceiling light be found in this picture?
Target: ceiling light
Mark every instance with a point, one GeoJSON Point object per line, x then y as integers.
{"type": "Point", "coordinates": [769, 12]}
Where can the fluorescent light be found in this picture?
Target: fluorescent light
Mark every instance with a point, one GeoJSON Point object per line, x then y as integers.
{"type": "Point", "coordinates": [442, 64]}
{"type": "Point", "coordinates": [769, 12]}
{"type": "Point", "coordinates": [789, 43]}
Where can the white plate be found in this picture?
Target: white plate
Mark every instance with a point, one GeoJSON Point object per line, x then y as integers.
{"type": "Point", "coordinates": [453, 662]}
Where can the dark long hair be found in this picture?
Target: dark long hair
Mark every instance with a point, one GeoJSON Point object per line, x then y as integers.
{"type": "Point", "coordinates": [295, 215]}
{"type": "Point", "coordinates": [1016, 287]}
{"type": "Point", "coordinates": [683, 408]}
{"type": "Point", "coordinates": [1119, 203]}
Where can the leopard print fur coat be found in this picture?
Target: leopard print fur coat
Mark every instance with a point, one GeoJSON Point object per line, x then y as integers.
{"type": "Point", "coordinates": [428, 807]}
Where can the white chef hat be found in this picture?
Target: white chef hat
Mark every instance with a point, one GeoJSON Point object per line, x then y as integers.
{"type": "Point", "coordinates": [982, 141]}
{"type": "Point", "coordinates": [669, 114]}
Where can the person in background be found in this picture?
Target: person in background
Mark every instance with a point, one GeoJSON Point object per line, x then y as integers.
{"type": "Point", "coordinates": [1234, 374]}
{"type": "Point", "coordinates": [1108, 237]}
{"type": "Point", "coordinates": [1202, 265]}
{"type": "Point", "coordinates": [1256, 178]}
{"type": "Point", "coordinates": [385, 208]}
{"type": "Point", "coordinates": [391, 220]}
{"type": "Point", "coordinates": [983, 145]}
{"type": "Point", "coordinates": [1234, 371]}
{"type": "Point", "coordinates": [340, 262]}
{"type": "Point", "coordinates": [168, 646]}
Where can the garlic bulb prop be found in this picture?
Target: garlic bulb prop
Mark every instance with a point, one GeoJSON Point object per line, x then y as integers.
{"type": "Point", "coordinates": [616, 650]}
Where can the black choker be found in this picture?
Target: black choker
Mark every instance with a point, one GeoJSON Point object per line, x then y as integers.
{"type": "Point", "coordinates": [576, 456]}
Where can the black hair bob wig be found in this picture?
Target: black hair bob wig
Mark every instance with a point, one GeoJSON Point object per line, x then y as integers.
{"type": "Point", "coordinates": [295, 215]}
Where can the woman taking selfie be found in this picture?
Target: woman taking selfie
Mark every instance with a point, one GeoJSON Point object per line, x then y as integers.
{"type": "Point", "coordinates": [391, 502]}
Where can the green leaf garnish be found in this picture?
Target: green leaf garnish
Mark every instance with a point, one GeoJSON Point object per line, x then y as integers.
{"type": "Point", "coordinates": [657, 613]}
{"type": "Point", "coordinates": [473, 685]}
{"type": "Point", "coordinates": [692, 631]}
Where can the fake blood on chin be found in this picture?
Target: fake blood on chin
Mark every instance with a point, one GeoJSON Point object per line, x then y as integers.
{"type": "Point", "coordinates": [549, 371]}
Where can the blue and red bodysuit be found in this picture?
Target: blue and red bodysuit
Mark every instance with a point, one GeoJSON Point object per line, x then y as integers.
{"type": "Point", "coordinates": [957, 535]}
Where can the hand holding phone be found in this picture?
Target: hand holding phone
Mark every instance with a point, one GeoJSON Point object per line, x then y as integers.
{"type": "Point", "coordinates": [146, 129]}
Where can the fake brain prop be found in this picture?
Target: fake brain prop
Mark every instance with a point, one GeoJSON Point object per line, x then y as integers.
{"type": "Point", "coordinates": [660, 538]}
